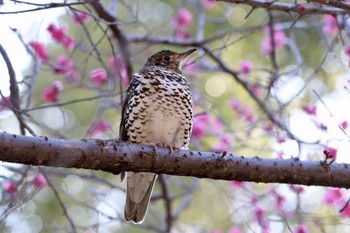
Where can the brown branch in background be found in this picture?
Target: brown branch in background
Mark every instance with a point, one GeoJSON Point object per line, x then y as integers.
{"type": "Point", "coordinates": [43, 6]}
{"type": "Point", "coordinates": [61, 204]}
{"type": "Point", "coordinates": [333, 8]}
{"type": "Point", "coordinates": [14, 91]}
{"type": "Point", "coordinates": [118, 34]}
{"type": "Point", "coordinates": [114, 156]}
{"type": "Point", "coordinates": [167, 202]}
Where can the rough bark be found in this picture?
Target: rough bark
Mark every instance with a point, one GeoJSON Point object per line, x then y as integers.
{"type": "Point", "coordinates": [114, 156]}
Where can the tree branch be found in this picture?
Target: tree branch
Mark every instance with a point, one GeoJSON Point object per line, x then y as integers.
{"type": "Point", "coordinates": [334, 7]}
{"type": "Point", "coordinates": [115, 156]}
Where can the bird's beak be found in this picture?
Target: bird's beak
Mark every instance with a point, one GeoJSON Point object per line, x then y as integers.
{"type": "Point", "coordinates": [185, 54]}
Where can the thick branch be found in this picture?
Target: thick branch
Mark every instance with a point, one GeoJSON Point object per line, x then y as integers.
{"type": "Point", "coordinates": [115, 156]}
{"type": "Point", "coordinates": [334, 7]}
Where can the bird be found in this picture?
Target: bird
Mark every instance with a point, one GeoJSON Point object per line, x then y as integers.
{"type": "Point", "coordinates": [157, 109]}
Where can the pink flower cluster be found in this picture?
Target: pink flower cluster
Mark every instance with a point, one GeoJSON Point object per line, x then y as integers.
{"type": "Point", "coordinates": [118, 67]}
{"type": "Point", "coordinates": [330, 25]}
{"type": "Point", "coordinates": [245, 67]}
{"type": "Point", "coordinates": [209, 3]}
{"type": "Point", "coordinates": [98, 77]}
{"type": "Point", "coordinates": [4, 102]}
{"type": "Point", "coordinates": [65, 66]}
{"type": "Point", "coordinates": [81, 17]}
{"type": "Point", "coordinates": [9, 187]}
{"type": "Point", "coordinates": [39, 181]}
{"type": "Point", "coordinates": [51, 93]}
{"type": "Point", "coordinates": [310, 109]}
{"type": "Point", "coordinates": [279, 38]}
{"type": "Point", "coordinates": [330, 153]}
{"type": "Point", "coordinates": [40, 51]}
{"type": "Point", "coordinates": [244, 111]}
{"type": "Point", "coordinates": [60, 36]}
{"type": "Point", "coordinates": [190, 67]}
{"type": "Point", "coordinates": [334, 197]}
{"type": "Point", "coordinates": [182, 20]}
{"type": "Point", "coordinates": [98, 128]}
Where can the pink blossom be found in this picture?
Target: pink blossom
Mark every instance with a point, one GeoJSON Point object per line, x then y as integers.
{"type": "Point", "coordinates": [281, 139]}
{"type": "Point", "coordinates": [9, 187]}
{"type": "Point", "coordinates": [301, 229]}
{"type": "Point", "coordinates": [245, 67]}
{"type": "Point", "coordinates": [190, 66]}
{"type": "Point", "coordinates": [235, 104]}
{"type": "Point", "coordinates": [80, 17]}
{"type": "Point", "coordinates": [99, 128]}
{"type": "Point", "coordinates": [310, 109]}
{"type": "Point", "coordinates": [346, 211]}
{"type": "Point", "coordinates": [118, 67]}
{"type": "Point", "coordinates": [333, 195]}
{"type": "Point", "coordinates": [279, 155]}
{"type": "Point", "coordinates": [243, 111]}
{"type": "Point", "coordinates": [98, 77]}
{"type": "Point", "coordinates": [65, 66]}
{"type": "Point", "coordinates": [268, 126]}
{"type": "Point", "coordinates": [279, 201]}
{"type": "Point", "coordinates": [302, 7]}
{"type": "Point", "coordinates": [209, 3]}
{"type": "Point", "coordinates": [279, 38]}
{"type": "Point", "coordinates": [72, 76]}
{"type": "Point", "coordinates": [60, 36]}
{"type": "Point", "coordinates": [330, 25]}
{"type": "Point", "coordinates": [255, 89]}
{"type": "Point", "coordinates": [39, 181]}
{"type": "Point", "coordinates": [223, 144]}
{"type": "Point", "coordinates": [260, 215]}
{"type": "Point", "coordinates": [330, 153]}
{"type": "Point", "coordinates": [4, 103]}
{"type": "Point", "coordinates": [347, 50]}
{"type": "Point", "coordinates": [248, 114]}
{"type": "Point", "coordinates": [51, 93]}
{"type": "Point", "coordinates": [68, 43]}
{"type": "Point", "coordinates": [296, 188]}
{"type": "Point", "coordinates": [200, 123]}
{"type": "Point", "coordinates": [40, 51]}
{"type": "Point", "coordinates": [234, 230]}
{"type": "Point", "coordinates": [183, 18]}
{"type": "Point", "coordinates": [344, 124]}
{"type": "Point", "coordinates": [237, 184]}
{"type": "Point", "coordinates": [182, 33]}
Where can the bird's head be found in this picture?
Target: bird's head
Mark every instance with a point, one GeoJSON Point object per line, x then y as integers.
{"type": "Point", "coordinates": [168, 59]}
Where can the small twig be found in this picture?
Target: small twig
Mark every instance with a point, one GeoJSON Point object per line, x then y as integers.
{"type": "Point", "coordinates": [167, 202]}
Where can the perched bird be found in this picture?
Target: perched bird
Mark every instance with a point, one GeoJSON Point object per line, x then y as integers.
{"type": "Point", "coordinates": [157, 110]}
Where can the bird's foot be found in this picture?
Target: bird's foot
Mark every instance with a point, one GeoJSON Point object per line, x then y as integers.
{"type": "Point", "coordinates": [171, 148]}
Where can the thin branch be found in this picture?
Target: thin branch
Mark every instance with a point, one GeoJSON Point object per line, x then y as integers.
{"type": "Point", "coordinates": [44, 6]}
{"type": "Point", "coordinates": [118, 33]}
{"type": "Point", "coordinates": [115, 156]}
{"type": "Point", "coordinates": [14, 91]}
{"type": "Point", "coordinates": [167, 201]}
{"type": "Point", "coordinates": [334, 7]}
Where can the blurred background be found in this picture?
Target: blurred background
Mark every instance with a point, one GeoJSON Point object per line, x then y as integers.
{"type": "Point", "coordinates": [269, 82]}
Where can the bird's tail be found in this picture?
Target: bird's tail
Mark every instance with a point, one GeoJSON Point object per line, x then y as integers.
{"type": "Point", "coordinates": [138, 193]}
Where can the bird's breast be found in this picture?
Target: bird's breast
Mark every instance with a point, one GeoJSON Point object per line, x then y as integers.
{"type": "Point", "coordinates": [162, 112]}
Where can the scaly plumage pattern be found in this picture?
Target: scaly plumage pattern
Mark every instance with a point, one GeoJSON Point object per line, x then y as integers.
{"type": "Point", "coordinates": [157, 109]}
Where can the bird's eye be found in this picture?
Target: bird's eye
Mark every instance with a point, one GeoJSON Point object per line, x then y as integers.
{"type": "Point", "coordinates": [166, 58]}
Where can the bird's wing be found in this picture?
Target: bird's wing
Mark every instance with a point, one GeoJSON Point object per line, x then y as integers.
{"type": "Point", "coordinates": [123, 136]}
{"type": "Point", "coordinates": [129, 93]}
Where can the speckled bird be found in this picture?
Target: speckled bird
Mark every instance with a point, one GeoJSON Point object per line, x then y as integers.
{"type": "Point", "coordinates": [157, 110]}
